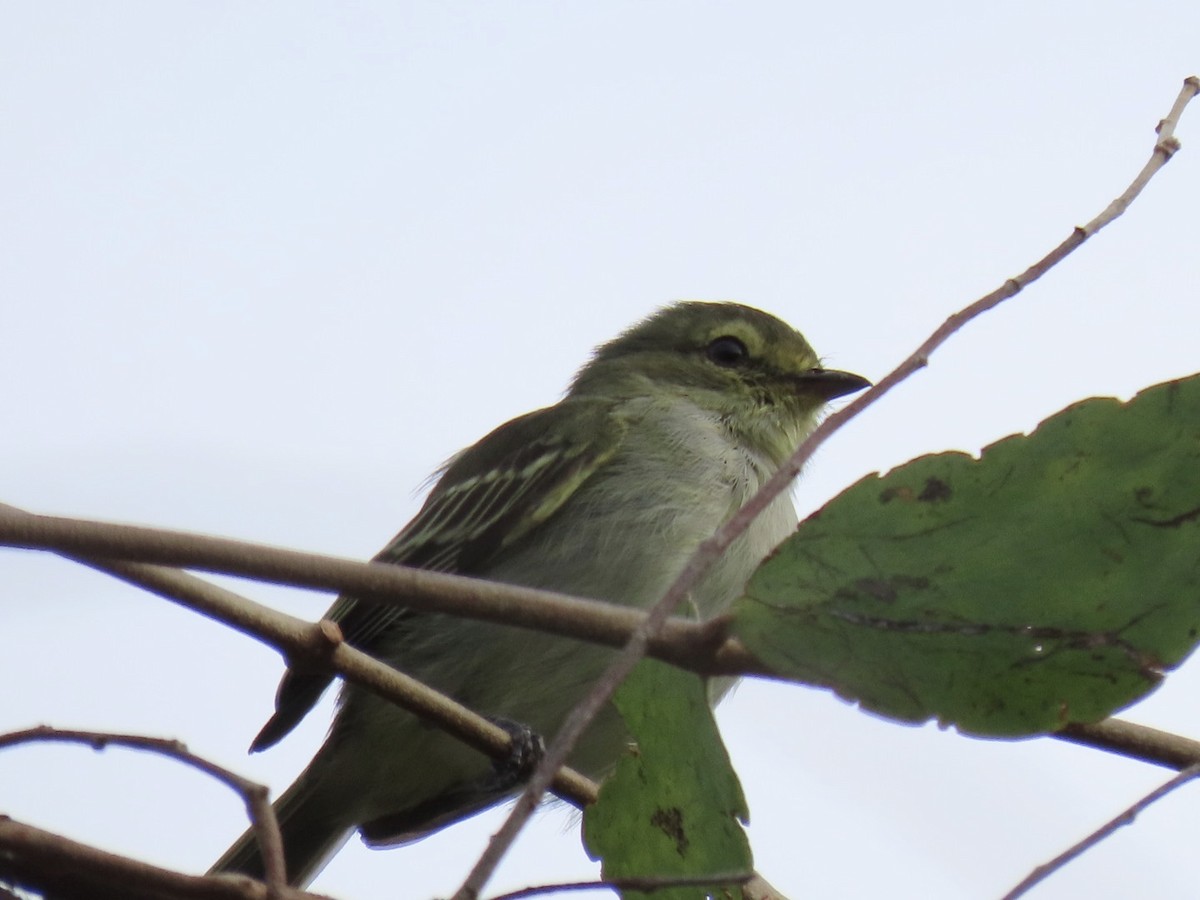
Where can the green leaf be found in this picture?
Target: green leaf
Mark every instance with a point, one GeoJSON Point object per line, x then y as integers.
{"type": "Point", "coordinates": [674, 806]}
{"type": "Point", "coordinates": [1053, 580]}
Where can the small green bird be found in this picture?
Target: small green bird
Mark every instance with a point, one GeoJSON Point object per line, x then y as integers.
{"type": "Point", "coordinates": [661, 437]}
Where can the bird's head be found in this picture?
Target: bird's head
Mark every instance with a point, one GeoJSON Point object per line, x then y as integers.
{"type": "Point", "coordinates": [754, 372]}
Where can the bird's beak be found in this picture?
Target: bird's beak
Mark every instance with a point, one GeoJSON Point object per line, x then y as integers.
{"type": "Point", "coordinates": [828, 384]}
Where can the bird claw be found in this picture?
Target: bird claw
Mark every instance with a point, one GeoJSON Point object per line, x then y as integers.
{"type": "Point", "coordinates": [528, 749]}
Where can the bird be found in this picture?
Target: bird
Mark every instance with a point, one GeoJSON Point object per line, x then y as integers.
{"type": "Point", "coordinates": [660, 438]}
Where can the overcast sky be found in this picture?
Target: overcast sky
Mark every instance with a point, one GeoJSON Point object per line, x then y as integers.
{"type": "Point", "coordinates": [264, 266]}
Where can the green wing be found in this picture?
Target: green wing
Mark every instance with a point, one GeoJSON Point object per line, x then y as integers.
{"type": "Point", "coordinates": [489, 496]}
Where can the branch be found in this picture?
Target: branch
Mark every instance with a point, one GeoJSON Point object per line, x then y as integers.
{"type": "Point", "coordinates": [698, 647]}
{"type": "Point", "coordinates": [1135, 741]}
{"type": "Point", "coordinates": [1044, 871]}
{"type": "Point", "coordinates": [97, 544]}
{"type": "Point", "coordinates": [254, 795]}
{"type": "Point", "coordinates": [711, 549]}
{"type": "Point", "coordinates": [322, 645]}
{"type": "Point", "coordinates": [58, 866]}
{"type": "Point", "coordinates": [642, 885]}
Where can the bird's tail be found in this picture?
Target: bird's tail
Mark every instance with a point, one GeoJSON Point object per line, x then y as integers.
{"type": "Point", "coordinates": [312, 833]}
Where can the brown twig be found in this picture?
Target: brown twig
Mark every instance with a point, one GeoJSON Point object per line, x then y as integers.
{"type": "Point", "coordinates": [254, 795]}
{"type": "Point", "coordinates": [321, 644]}
{"type": "Point", "coordinates": [643, 885]}
{"type": "Point", "coordinates": [1045, 870]}
{"type": "Point", "coordinates": [1135, 741]}
{"type": "Point", "coordinates": [58, 866]}
{"type": "Point", "coordinates": [712, 548]}
{"type": "Point", "coordinates": [699, 647]}
{"type": "Point", "coordinates": [98, 544]}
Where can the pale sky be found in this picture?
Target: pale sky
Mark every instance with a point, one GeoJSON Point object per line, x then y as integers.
{"type": "Point", "coordinates": [264, 266]}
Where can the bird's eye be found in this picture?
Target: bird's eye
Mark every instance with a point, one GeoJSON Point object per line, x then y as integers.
{"type": "Point", "coordinates": [727, 351]}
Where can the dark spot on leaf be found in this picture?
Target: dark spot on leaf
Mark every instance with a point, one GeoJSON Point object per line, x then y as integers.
{"type": "Point", "coordinates": [670, 823]}
{"type": "Point", "coordinates": [876, 588]}
{"type": "Point", "coordinates": [1174, 522]}
{"type": "Point", "coordinates": [895, 493]}
{"type": "Point", "coordinates": [884, 590]}
{"type": "Point", "coordinates": [1142, 495]}
{"type": "Point", "coordinates": [935, 489]}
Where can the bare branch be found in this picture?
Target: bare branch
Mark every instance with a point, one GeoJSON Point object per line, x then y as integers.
{"type": "Point", "coordinates": [699, 647]}
{"type": "Point", "coordinates": [51, 864]}
{"type": "Point", "coordinates": [562, 887]}
{"type": "Point", "coordinates": [322, 644]}
{"type": "Point", "coordinates": [711, 549]}
{"type": "Point", "coordinates": [254, 795]}
{"type": "Point", "coordinates": [1164, 149]}
{"type": "Point", "coordinates": [1044, 871]}
{"type": "Point", "coordinates": [758, 888]}
{"type": "Point", "coordinates": [643, 885]}
{"type": "Point", "coordinates": [96, 543]}
{"type": "Point", "coordinates": [1135, 741]}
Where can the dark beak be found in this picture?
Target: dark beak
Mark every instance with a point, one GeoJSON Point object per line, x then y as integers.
{"type": "Point", "coordinates": [829, 384]}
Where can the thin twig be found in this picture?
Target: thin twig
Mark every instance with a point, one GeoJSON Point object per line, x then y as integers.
{"type": "Point", "coordinates": [1135, 741]}
{"type": "Point", "coordinates": [1045, 870]}
{"type": "Point", "coordinates": [644, 885]}
{"type": "Point", "coordinates": [322, 644]}
{"type": "Point", "coordinates": [1164, 149]}
{"type": "Point", "coordinates": [700, 647]}
{"type": "Point", "coordinates": [98, 543]}
{"type": "Point", "coordinates": [57, 866]}
{"type": "Point", "coordinates": [711, 549]}
{"type": "Point", "coordinates": [562, 887]}
{"type": "Point", "coordinates": [254, 795]}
